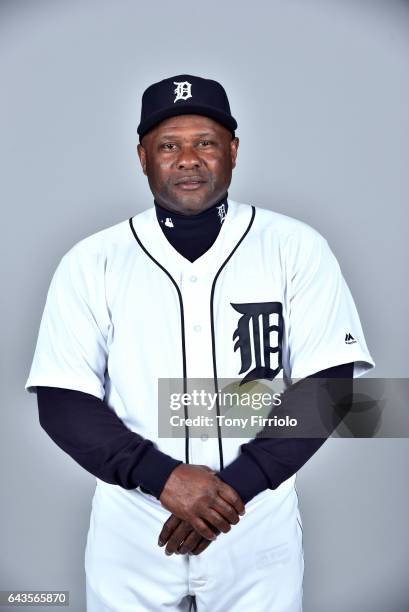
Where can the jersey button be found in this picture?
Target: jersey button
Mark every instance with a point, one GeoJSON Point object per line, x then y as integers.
{"type": "Point", "coordinates": [204, 437]}
{"type": "Point", "coordinates": [197, 328]}
{"type": "Point", "coordinates": [193, 278]}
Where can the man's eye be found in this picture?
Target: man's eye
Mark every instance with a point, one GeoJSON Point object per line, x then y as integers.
{"type": "Point", "coordinates": [168, 146]}
{"type": "Point", "coordinates": [205, 142]}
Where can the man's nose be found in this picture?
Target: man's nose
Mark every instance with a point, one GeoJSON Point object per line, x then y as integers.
{"type": "Point", "coordinates": [188, 158]}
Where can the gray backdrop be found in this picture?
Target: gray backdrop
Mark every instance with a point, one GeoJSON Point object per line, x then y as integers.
{"type": "Point", "coordinates": [320, 91]}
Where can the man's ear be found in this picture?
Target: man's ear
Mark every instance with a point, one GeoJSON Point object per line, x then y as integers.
{"type": "Point", "coordinates": [234, 145]}
{"type": "Point", "coordinates": [142, 157]}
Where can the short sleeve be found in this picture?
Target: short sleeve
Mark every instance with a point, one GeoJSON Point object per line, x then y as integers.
{"type": "Point", "coordinates": [71, 349]}
{"type": "Point", "coordinates": [324, 329]}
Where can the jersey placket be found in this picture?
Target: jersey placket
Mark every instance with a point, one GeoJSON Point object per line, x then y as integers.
{"type": "Point", "coordinates": [196, 287]}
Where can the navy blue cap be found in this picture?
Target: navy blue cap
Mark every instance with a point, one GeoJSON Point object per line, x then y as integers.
{"type": "Point", "coordinates": [184, 94]}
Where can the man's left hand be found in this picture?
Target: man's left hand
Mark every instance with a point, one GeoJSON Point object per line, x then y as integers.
{"type": "Point", "coordinates": [180, 537]}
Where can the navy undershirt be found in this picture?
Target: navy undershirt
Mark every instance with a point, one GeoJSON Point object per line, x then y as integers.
{"type": "Point", "coordinates": [192, 235]}
{"type": "Point", "coordinates": [88, 430]}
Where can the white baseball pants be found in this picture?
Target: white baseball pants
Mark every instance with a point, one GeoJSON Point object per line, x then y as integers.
{"type": "Point", "coordinates": [258, 565]}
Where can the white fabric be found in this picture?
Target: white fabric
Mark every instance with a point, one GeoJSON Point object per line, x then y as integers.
{"type": "Point", "coordinates": [257, 565]}
{"type": "Point", "coordinates": [112, 326]}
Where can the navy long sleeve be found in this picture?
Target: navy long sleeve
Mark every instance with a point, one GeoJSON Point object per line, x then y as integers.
{"type": "Point", "coordinates": [266, 462]}
{"type": "Point", "coordinates": [95, 437]}
{"type": "Point", "coordinates": [88, 430]}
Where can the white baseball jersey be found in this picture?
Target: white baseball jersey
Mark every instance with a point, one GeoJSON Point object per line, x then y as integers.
{"type": "Point", "coordinates": [124, 308]}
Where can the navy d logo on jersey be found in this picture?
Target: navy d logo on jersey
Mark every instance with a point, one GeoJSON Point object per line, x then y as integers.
{"type": "Point", "coordinates": [183, 90]}
{"type": "Point", "coordinates": [252, 337]}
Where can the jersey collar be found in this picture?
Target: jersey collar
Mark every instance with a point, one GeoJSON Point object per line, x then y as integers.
{"type": "Point", "coordinates": [149, 233]}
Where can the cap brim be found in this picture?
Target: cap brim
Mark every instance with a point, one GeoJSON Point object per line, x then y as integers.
{"type": "Point", "coordinates": [227, 121]}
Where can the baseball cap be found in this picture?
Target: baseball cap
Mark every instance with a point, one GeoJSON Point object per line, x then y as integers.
{"type": "Point", "coordinates": [184, 94]}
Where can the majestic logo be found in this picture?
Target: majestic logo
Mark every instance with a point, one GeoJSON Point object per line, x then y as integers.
{"type": "Point", "coordinates": [253, 331]}
{"type": "Point", "coordinates": [169, 222]}
{"type": "Point", "coordinates": [349, 339]}
{"type": "Point", "coordinates": [183, 90]}
{"type": "Point", "coordinates": [221, 211]}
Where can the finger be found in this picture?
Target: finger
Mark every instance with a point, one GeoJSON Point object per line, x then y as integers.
{"type": "Point", "coordinates": [205, 530]}
{"type": "Point", "coordinates": [231, 497]}
{"type": "Point", "coordinates": [226, 510]}
{"type": "Point", "coordinates": [178, 536]}
{"type": "Point", "coordinates": [216, 520]}
{"type": "Point", "coordinates": [203, 544]}
{"type": "Point", "coordinates": [168, 528]}
{"type": "Point", "coordinates": [190, 542]}
{"type": "Point", "coordinates": [214, 529]}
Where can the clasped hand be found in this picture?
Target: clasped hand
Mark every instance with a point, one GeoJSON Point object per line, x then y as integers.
{"type": "Point", "coordinates": [202, 506]}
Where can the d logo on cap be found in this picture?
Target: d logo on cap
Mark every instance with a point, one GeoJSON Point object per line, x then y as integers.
{"type": "Point", "coordinates": [183, 90]}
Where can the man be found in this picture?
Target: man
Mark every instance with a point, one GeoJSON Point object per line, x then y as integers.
{"type": "Point", "coordinates": [196, 286]}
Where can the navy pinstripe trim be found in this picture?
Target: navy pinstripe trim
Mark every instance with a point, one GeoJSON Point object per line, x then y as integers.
{"type": "Point", "coordinates": [216, 386]}
{"type": "Point", "coordinates": [182, 328]}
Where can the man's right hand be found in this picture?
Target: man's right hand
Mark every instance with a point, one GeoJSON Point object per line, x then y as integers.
{"type": "Point", "coordinates": [195, 494]}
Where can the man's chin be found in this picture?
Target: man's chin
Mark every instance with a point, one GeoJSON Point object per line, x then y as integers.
{"type": "Point", "coordinates": [190, 203]}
